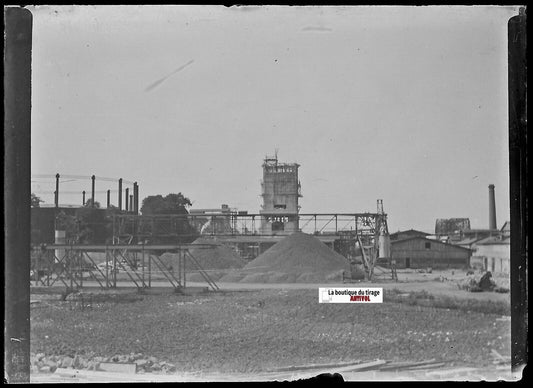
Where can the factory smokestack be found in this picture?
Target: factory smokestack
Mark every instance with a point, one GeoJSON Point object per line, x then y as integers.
{"type": "Point", "coordinates": [492, 208]}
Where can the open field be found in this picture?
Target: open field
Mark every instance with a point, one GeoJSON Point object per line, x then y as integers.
{"type": "Point", "coordinates": [254, 331]}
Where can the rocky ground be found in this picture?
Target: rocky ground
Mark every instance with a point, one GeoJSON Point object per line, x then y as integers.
{"type": "Point", "coordinates": [42, 363]}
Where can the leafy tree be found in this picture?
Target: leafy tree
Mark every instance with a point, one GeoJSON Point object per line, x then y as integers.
{"type": "Point", "coordinates": [35, 200]}
{"type": "Point", "coordinates": [95, 224]}
{"type": "Point", "coordinates": [88, 204]}
{"type": "Point", "coordinates": [69, 224]}
{"type": "Point", "coordinates": [171, 204]}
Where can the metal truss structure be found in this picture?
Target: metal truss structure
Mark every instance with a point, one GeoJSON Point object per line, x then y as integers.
{"type": "Point", "coordinates": [361, 230]}
{"type": "Point", "coordinates": [140, 227]}
{"type": "Point", "coordinates": [124, 265]}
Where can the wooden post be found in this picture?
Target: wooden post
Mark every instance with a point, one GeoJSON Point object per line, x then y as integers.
{"type": "Point", "coordinates": [143, 261]}
{"type": "Point", "coordinates": [150, 271]}
{"type": "Point", "coordinates": [184, 268]}
{"type": "Point", "coordinates": [106, 267]}
{"type": "Point", "coordinates": [114, 270]}
{"type": "Point", "coordinates": [80, 266]}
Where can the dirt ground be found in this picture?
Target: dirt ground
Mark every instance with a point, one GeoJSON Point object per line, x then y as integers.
{"type": "Point", "coordinates": [248, 330]}
{"type": "Point", "coordinates": [443, 283]}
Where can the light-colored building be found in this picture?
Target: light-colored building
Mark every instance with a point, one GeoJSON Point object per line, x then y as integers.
{"type": "Point", "coordinates": [492, 254]}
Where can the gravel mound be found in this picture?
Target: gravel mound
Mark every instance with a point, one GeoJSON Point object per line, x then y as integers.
{"type": "Point", "coordinates": [298, 258]}
{"type": "Point", "coordinates": [216, 258]}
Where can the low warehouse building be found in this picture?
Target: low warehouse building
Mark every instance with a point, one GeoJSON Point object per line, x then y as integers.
{"type": "Point", "coordinates": [420, 252]}
{"type": "Point", "coordinates": [401, 235]}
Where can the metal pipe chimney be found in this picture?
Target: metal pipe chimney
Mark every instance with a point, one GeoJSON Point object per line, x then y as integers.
{"type": "Point", "coordinates": [127, 199]}
{"type": "Point", "coordinates": [135, 198]}
{"type": "Point", "coordinates": [56, 193]}
{"type": "Point", "coordinates": [92, 190]}
{"type": "Point", "coordinates": [492, 208]}
{"type": "Point", "coordinates": [120, 194]}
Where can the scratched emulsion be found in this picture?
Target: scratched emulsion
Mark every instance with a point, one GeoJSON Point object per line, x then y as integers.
{"type": "Point", "coordinates": [161, 80]}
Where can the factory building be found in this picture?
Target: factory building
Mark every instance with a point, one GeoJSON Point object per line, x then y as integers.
{"type": "Point", "coordinates": [212, 221]}
{"type": "Point", "coordinates": [280, 190]}
{"type": "Point", "coordinates": [420, 252]}
{"type": "Point", "coordinates": [493, 253]}
{"type": "Point", "coordinates": [401, 235]}
{"type": "Point", "coordinates": [491, 247]}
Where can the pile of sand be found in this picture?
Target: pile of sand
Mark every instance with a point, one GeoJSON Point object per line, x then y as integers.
{"type": "Point", "coordinates": [298, 258]}
{"type": "Point", "coordinates": [212, 254]}
{"type": "Point", "coordinates": [216, 258]}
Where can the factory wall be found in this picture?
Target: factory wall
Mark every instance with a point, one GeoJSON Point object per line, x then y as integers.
{"type": "Point", "coordinates": [420, 252]}
{"type": "Point", "coordinates": [280, 189]}
{"type": "Point", "coordinates": [492, 257]}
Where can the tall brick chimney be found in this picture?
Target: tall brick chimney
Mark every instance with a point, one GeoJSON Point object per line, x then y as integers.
{"type": "Point", "coordinates": [492, 208]}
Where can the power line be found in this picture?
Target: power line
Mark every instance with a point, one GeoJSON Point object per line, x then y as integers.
{"type": "Point", "coordinates": [81, 177]}
{"type": "Point", "coordinates": [75, 192]}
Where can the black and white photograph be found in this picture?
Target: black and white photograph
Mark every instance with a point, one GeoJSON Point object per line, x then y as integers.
{"type": "Point", "coordinates": [265, 193]}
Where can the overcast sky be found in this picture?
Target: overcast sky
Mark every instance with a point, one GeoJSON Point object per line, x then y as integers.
{"type": "Point", "coordinates": [404, 104]}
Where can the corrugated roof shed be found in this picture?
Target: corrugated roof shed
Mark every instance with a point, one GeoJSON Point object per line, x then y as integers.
{"type": "Point", "coordinates": [425, 239]}
{"type": "Point", "coordinates": [407, 234]}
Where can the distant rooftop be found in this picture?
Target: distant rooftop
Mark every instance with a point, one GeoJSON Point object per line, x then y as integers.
{"type": "Point", "coordinates": [494, 240]}
{"type": "Point", "coordinates": [466, 241]}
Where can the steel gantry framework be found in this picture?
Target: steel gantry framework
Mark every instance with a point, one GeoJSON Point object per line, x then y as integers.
{"type": "Point", "coordinates": [140, 227]}
{"type": "Point", "coordinates": [363, 230]}
{"type": "Point", "coordinates": [140, 265]}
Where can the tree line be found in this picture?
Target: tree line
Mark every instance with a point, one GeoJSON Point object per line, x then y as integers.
{"type": "Point", "coordinates": [91, 224]}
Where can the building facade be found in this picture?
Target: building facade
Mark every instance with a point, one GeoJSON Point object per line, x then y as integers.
{"type": "Point", "coordinates": [420, 252]}
{"type": "Point", "coordinates": [492, 254]}
{"type": "Point", "coordinates": [401, 235]}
